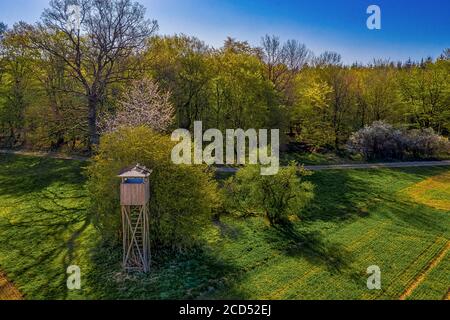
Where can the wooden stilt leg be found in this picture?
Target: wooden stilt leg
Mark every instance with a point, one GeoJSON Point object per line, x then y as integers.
{"type": "Point", "coordinates": [136, 243]}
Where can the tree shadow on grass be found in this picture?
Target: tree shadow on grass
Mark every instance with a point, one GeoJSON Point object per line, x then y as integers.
{"type": "Point", "coordinates": [226, 230]}
{"type": "Point", "coordinates": [42, 247]}
{"type": "Point", "coordinates": [402, 209]}
{"type": "Point", "coordinates": [347, 194]}
{"type": "Point", "coordinates": [310, 245]}
{"type": "Point", "coordinates": [337, 197]}
{"type": "Point", "coordinates": [39, 233]}
{"type": "Point", "coordinates": [196, 274]}
{"type": "Point", "coordinates": [292, 242]}
{"type": "Point", "coordinates": [22, 175]}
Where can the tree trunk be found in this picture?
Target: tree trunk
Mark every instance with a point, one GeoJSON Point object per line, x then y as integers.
{"type": "Point", "coordinates": [12, 137]}
{"type": "Point", "coordinates": [60, 141]}
{"type": "Point", "coordinates": [94, 138]}
{"type": "Point", "coordinates": [336, 142]}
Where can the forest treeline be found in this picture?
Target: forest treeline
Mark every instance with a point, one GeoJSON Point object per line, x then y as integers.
{"type": "Point", "coordinates": [57, 81]}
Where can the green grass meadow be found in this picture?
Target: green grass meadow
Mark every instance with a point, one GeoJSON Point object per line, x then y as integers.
{"type": "Point", "coordinates": [357, 218]}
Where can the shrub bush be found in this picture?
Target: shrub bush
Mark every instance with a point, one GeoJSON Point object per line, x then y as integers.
{"type": "Point", "coordinates": [426, 143]}
{"type": "Point", "coordinates": [378, 141]}
{"type": "Point", "coordinates": [275, 197]}
{"type": "Point", "coordinates": [382, 141]}
{"type": "Point", "coordinates": [182, 197]}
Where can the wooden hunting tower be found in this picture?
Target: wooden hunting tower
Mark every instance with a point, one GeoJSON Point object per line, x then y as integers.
{"type": "Point", "coordinates": [134, 201]}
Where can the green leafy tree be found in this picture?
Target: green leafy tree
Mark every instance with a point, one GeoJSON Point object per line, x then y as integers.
{"type": "Point", "coordinates": [15, 90]}
{"type": "Point", "coordinates": [99, 52]}
{"type": "Point", "coordinates": [279, 198]}
{"type": "Point", "coordinates": [181, 65]}
{"type": "Point", "coordinates": [183, 198]}
{"type": "Point", "coordinates": [240, 96]}
{"type": "Point", "coordinates": [309, 116]}
{"type": "Point", "coordinates": [426, 92]}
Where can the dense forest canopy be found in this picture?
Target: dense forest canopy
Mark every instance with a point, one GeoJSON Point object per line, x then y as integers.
{"type": "Point", "coordinates": [57, 81]}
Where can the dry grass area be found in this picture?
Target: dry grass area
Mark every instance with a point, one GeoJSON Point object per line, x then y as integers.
{"type": "Point", "coordinates": [7, 290]}
{"type": "Point", "coordinates": [433, 192]}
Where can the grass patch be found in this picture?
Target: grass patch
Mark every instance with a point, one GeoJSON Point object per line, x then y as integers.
{"type": "Point", "coordinates": [358, 218]}
{"type": "Point", "coordinates": [436, 284]}
{"type": "Point", "coordinates": [426, 281]}
{"type": "Point", "coordinates": [44, 226]}
{"type": "Point", "coordinates": [315, 158]}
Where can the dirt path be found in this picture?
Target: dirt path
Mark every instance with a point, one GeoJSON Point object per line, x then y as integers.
{"type": "Point", "coordinates": [233, 170]}
{"type": "Point", "coordinates": [363, 166]}
{"type": "Point", "coordinates": [380, 165]}
{"type": "Point", "coordinates": [424, 274]}
{"type": "Point", "coordinates": [7, 290]}
{"type": "Point", "coordinates": [53, 155]}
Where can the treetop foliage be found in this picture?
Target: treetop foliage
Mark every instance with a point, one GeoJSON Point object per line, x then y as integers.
{"type": "Point", "coordinates": [183, 198]}
{"type": "Point", "coordinates": [58, 80]}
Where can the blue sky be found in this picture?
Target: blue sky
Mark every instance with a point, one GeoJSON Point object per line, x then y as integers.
{"type": "Point", "coordinates": [410, 28]}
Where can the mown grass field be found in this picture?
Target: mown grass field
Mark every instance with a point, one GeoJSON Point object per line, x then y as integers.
{"type": "Point", "coordinates": [358, 218]}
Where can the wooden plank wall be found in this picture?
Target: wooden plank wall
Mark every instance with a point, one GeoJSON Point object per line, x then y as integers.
{"type": "Point", "coordinates": [134, 194]}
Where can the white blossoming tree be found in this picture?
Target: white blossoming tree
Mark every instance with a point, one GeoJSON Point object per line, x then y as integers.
{"type": "Point", "coordinates": [143, 105]}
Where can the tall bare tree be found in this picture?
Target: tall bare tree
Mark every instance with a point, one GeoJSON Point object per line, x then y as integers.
{"type": "Point", "coordinates": [98, 41]}
{"type": "Point", "coordinates": [283, 62]}
{"type": "Point", "coordinates": [3, 28]}
{"type": "Point", "coordinates": [327, 59]}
